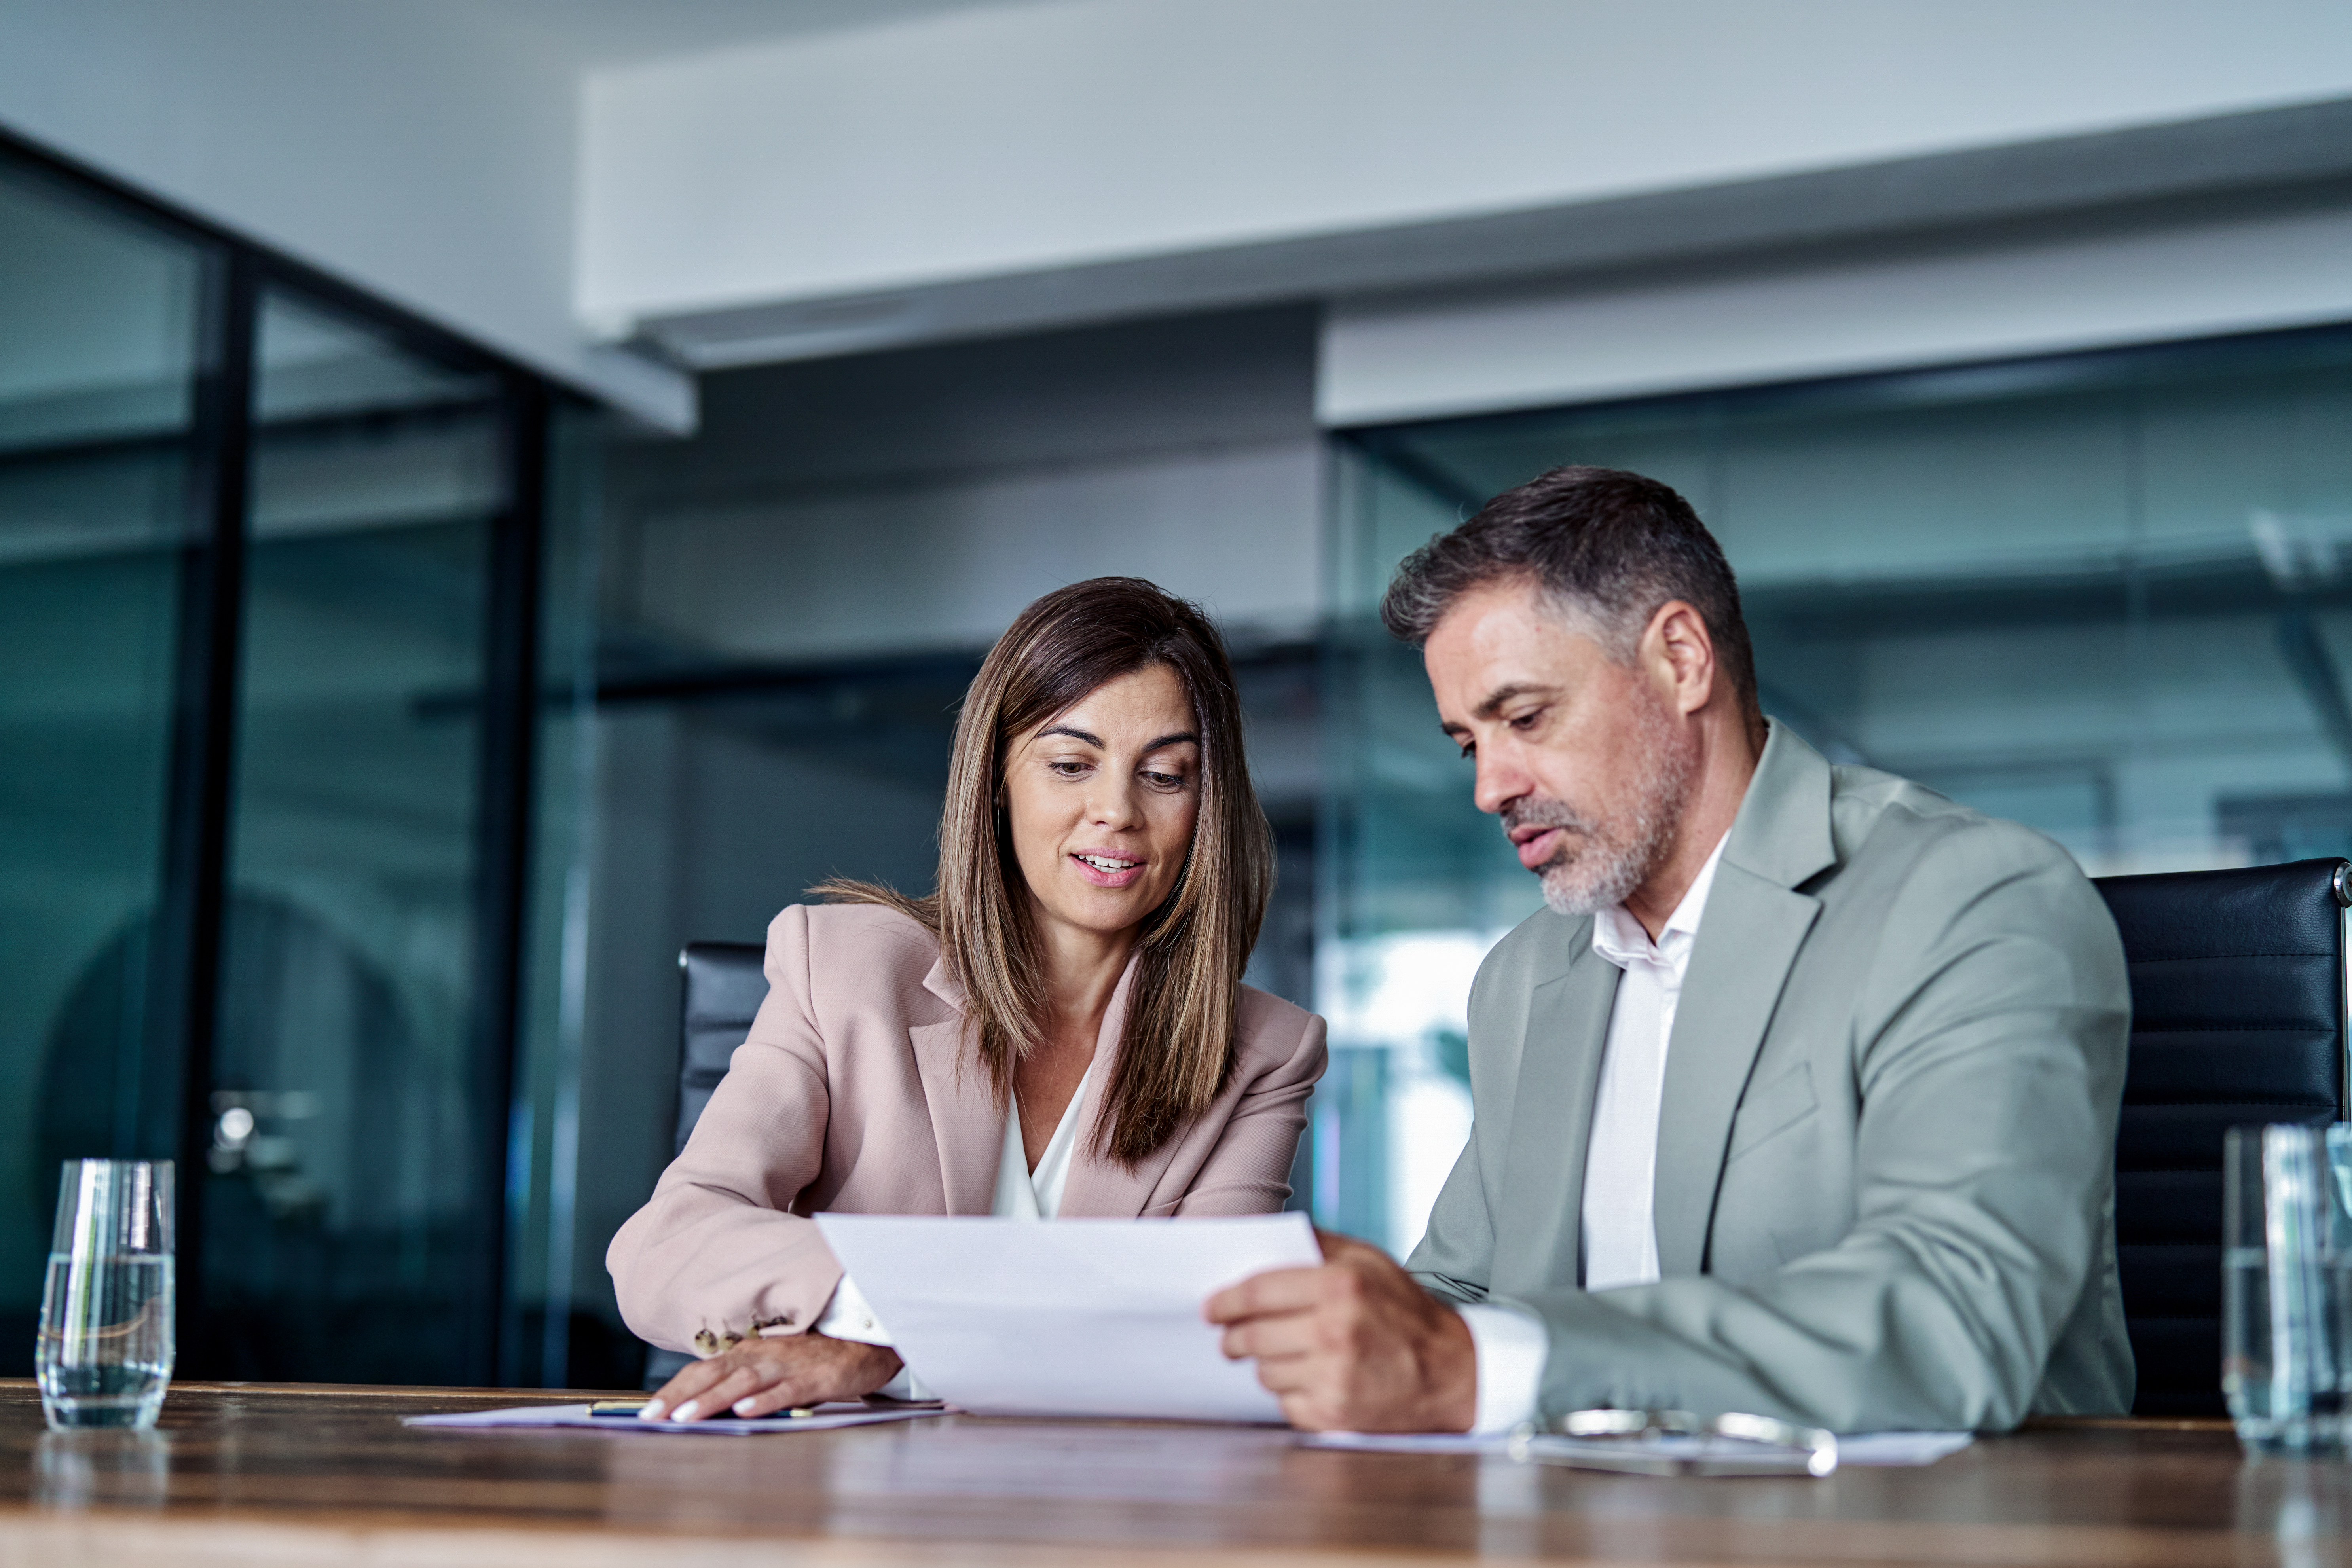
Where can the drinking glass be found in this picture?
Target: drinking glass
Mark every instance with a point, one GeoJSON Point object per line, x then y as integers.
{"type": "Point", "coordinates": [104, 1357]}
{"type": "Point", "coordinates": [2286, 1279]}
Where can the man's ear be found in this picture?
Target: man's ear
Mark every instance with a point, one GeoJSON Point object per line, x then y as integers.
{"type": "Point", "coordinates": [1677, 644]}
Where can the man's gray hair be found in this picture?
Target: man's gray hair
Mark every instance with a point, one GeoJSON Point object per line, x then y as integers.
{"type": "Point", "coordinates": [1604, 545]}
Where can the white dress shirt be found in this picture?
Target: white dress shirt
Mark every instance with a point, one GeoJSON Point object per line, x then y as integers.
{"type": "Point", "coordinates": [1021, 1193]}
{"type": "Point", "coordinates": [1619, 1235]}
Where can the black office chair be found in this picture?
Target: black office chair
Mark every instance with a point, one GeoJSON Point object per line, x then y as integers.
{"type": "Point", "coordinates": [2238, 986]}
{"type": "Point", "coordinates": [721, 987]}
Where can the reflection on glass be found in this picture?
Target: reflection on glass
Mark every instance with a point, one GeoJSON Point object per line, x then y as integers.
{"type": "Point", "coordinates": [2109, 598]}
{"type": "Point", "coordinates": [98, 349]}
{"type": "Point", "coordinates": [341, 1236]}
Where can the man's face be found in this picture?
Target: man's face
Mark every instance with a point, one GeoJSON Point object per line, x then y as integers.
{"type": "Point", "coordinates": [1584, 759]}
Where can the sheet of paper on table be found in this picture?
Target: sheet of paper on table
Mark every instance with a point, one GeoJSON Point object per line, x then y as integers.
{"type": "Point", "coordinates": [1889, 1448]}
{"type": "Point", "coordinates": [853, 1413]}
{"type": "Point", "coordinates": [1079, 1317]}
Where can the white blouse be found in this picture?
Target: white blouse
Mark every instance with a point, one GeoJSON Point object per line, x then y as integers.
{"type": "Point", "coordinates": [1025, 1194]}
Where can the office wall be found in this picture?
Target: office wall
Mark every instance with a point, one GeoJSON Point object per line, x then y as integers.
{"type": "Point", "coordinates": [2249, 265]}
{"type": "Point", "coordinates": [1043, 136]}
{"type": "Point", "coordinates": [796, 598]}
{"type": "Point", "coordinates": [413, 150]}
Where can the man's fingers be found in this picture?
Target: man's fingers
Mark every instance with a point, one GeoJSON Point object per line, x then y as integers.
{"type": "Point", "coordinates": [1287, 1375]}
{"type": "Point", "coordinates": [1291, 1333]}
{"type": "Point", "coordinates": [1276, 1290]}
{"type": "Point", "coordinates": [1310, 1412]}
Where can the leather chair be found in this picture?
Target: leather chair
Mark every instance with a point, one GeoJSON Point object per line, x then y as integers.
{"type": "Point", "coordinates": [2238, 986]}
{"type": "Point", "coordinates": [722, 986]}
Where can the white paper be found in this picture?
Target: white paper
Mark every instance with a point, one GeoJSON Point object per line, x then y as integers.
{"type": "Point", "coordinates": [1879, 1448]}
{"type": "Point", "coordinates": [1076, 1317]}
{"type": "Point", "coordinates": [1901, 1447]}
{"type": "Point", "coordinates": [543, 1416]}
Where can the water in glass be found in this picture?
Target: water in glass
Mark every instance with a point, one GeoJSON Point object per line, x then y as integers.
{"type": "Point", "coordinates": [2286, 1281]}
{"type": "Point", "coordinates": [106, 1341]}
{"type": "Point", "coordinates": [104, 1355]}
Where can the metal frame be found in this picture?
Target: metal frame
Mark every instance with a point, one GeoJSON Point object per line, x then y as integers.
{"type": "Point", "coordinates": [186, 971]}
{"type": "Point", "coordinates": [502, 822]}
{"type": "Point", "coordinates": [2340, 884]}
{"type": "Point", "coordinates": [205, 733]}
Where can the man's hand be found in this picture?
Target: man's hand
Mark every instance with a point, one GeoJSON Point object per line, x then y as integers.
{"type": "Point", "coordinates": [1353, 1346]}
{"type": "Point", "coordinates": [764, 1375]}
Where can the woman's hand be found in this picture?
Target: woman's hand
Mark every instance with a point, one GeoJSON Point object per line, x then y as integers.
{"type": "Point", "coordinates": [763, 1374]}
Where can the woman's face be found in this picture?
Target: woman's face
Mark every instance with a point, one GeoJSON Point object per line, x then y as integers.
{"type": "Point", "coordinates": [1103, 798]}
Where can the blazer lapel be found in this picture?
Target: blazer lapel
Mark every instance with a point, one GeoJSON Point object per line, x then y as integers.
{"type": "Point", "coordinates": [1538, 1239]}
{"type": "Point", "coordinates": [1727, 1000]}
{"type": "Point", "coordinates": [965, 1117]}
{"type": "Point", "coordinates": [1098, 1187]}
{"type": "Point", "coordinates": [1749, 936]}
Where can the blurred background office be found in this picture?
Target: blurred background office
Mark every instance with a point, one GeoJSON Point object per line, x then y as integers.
{"type": "Point", "coordinates": [493, 490]}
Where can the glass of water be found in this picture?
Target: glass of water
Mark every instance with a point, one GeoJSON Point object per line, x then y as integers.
{"type": "Point", "coordinates": [2286, 1281]}
{"type": "Point", "coordinates": [105, 1353]}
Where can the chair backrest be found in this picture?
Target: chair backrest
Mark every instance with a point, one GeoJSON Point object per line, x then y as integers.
{"type": "Point", "coordinates": [721, 986]}
{"type": "Point", "coordinates": [2237, 1016]}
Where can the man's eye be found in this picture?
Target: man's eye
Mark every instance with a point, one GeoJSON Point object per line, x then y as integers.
{"type": "Point", "coordinates": [1526, 720]}
{"type": "Point", "coordinates": [1469, 748]}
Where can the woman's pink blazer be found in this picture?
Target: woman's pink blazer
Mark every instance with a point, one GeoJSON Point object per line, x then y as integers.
{"type": "Point", "coordinates": [857, 1092]}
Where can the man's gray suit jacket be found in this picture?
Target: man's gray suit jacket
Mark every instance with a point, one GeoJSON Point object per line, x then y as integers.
{"type": "Point", "coordinates": [1887, 1148]}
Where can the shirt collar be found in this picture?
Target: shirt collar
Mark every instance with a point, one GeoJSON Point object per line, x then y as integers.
{"type": "Point", "coordinates": [1618, 937]}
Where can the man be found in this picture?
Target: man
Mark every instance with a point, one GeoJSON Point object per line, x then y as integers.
{"type": "Point", "coordinates": [1800, 1097]}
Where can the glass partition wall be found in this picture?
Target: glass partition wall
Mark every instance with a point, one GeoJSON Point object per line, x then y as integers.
{"type": "Point", "coordinates": [99, 468]}
{"type": "Point", "coordinates": [270, 589]}
{"type": "Point", "coordinates": [2108, 596]}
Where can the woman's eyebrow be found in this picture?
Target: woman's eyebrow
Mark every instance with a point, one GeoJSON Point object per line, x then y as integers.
{"type": "Point", "coordinates": [1178, 739]}
{"type": "Point", "coordinates": [1094, 741]}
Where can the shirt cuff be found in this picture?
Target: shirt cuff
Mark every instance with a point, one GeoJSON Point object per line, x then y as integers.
{"type": "Point", "coordinates": [847, 1317]}
{"type": "Point", "coordinates": [1512, 1348]}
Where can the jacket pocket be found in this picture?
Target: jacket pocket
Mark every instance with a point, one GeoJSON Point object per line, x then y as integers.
{"type": "Point", "coordinates": [1772, 1109]}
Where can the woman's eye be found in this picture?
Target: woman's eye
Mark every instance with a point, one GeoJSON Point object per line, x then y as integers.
{"type": "Point", "coordinates": [1067, 770]}
{"type": "Point", "coordinates": [1165, 781]}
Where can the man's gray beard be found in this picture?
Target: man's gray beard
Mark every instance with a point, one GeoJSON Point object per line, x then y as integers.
{"type": "Point", "coordinates": [1597, 868]}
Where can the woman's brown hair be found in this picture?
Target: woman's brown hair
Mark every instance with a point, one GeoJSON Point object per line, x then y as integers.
{"type": "Point", "coordinates": [1178, 1047]}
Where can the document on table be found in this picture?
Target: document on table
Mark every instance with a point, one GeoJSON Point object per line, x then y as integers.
{"type": "Point", "coordinates": [1869, 1448]}
{"type": "Point", "coordinates": [1075, 1317]}
{"type": "Point", "coordinates": [851, 1414]}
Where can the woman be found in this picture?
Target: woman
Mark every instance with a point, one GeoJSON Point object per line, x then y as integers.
{"type": "Point", "coordinates": [1061, 1029]}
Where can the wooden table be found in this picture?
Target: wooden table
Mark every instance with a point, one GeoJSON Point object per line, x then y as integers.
{"type": "Point", "coordinates": [250, 1474]}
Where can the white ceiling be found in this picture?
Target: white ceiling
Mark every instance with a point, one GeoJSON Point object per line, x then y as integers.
{"type": "Point", "coordinates": [587, 33]}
